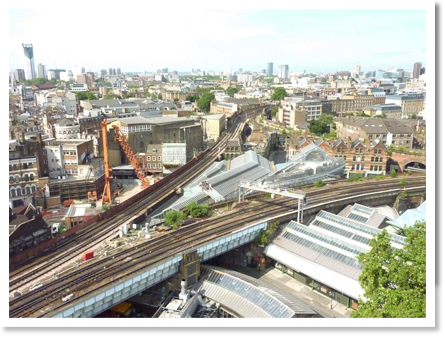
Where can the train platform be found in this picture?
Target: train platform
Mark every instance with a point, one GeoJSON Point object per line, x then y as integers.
{"type": "Point", "coordinates": [316, 301]}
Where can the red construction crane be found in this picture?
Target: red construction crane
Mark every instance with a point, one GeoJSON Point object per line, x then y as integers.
{"type": "Point", "coordinates": [106, 195]}
{"type": "Point", "coordinates": [137, 166]}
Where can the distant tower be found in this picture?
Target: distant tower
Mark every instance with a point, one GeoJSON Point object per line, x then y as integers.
{"type": "Point", "coordinates": [110, 71]}
{"type": "Point", "coordinates": [422, 70]}
{"type": "Point", "coordinates": [358, 68]}
{"type": "Point", "coordinates": [19, 74]}
{"type": "Point", "coordinates": [269, 69]}
{"type": "Point", "coordinates": [30, 68]}
{"type": "Point", "coordinates": [416, 70]}
{"type": "Point", "coordinates": [118, 71]}
{"type": "Point", "coordinates": [41, 70]}
{"type": "Point", "coordinates": [283, 71]}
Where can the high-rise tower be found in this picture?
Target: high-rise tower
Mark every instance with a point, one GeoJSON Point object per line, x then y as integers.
{"type": "Point", "coordinates": [30, 68]}
{"type": "Point", "coordinates": [269, 69]}
{"type": "Point", "coordinates": [41, 70]}
{"type": "Point", "coordinates": [416, 69]}
{"type": "Point", "coordinates": [283, 71]}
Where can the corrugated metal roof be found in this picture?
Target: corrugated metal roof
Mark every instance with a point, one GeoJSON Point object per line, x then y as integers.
{"type": "Point", "coordinates": [293, 303]}
{"type": "Point", "coordinates": [243, 297]}
{"type": "Point", "coordinates": [319, 272]}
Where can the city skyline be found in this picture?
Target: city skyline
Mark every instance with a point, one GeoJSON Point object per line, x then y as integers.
{"type": "Point", "coordinates": [218, 40]}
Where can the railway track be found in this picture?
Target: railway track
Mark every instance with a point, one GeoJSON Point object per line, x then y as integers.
{"type": "Point", "coordinates": [93, 275]}
{"type": "Point", "coordinates": [103, 230]}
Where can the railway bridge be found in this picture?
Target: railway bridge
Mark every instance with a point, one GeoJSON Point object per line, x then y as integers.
{"type": "Point", "coordinates": [407, 161]}
{"type": "Point", "coordinates": [109, 296]}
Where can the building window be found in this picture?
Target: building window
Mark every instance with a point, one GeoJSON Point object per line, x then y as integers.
{"type": "Point", "coordinates": [13, 193]}
{"type": "Point", "coordinates": [19, 191]}
{"type": "Point", "coordinates": [148, 158]}
{"type": "Point", "coordinates": [380, 168]}
{"type": "Point", "coordinates": [159, 158]}
{"type": "Point", "coordinates": [372, 158]}
{"type": "Point", "coordinates": [28, 190]}
{"type": "Point", "coordinates": [31, 177]}
{"type": "Point", "coordinates": [160, 165]}
{"type": "Point", "coordinates": [371, 167]}
{"type": "Point", "coordinates": [354, 158]}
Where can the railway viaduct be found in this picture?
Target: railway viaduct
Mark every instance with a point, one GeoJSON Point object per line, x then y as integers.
{"type": "Point", "coordinates": [403, 160]}
{"type": "Point", "coordinates": [187, 262]}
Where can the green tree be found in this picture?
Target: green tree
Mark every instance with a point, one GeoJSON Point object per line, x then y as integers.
{"type": "Point", "coordinates": [129, 95]}
{"type": "Point", "coordinates": [159, 96]}
{"type": "Point", "coordinates": [394, 281]}
{"type": "Point", "coordinates": [319, 183]}
{"type": "Point", "coordinates": [232, 91]}
{"type": "Point", "coordinates": [321, 125]}
{"type": "Point", "coordinates": [176, 100]}
{"type": "Point", "coordinates": [278, 94]}
{"type": "Point", "coordinates": [273, 111]}
{"type": "Point", "coordinates": [84, 95]}
{"type": "Point", "coordinates": [204, 101]}
{"type": "Point", "coordinates": [195, 210]}
{"type": "Point", "coordinates": [111, 95]}
{"type": "Point", "coordinates": [174, 218]}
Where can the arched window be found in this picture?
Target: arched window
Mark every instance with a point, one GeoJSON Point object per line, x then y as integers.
{"type": "Point", "coordinates": [19, 191]}
{"type": "Point", "coordinates": [26, 177]}
{"type": "Point", "coordinates": [11, 179]}
{"type": "Point", "coordinates": [363, 158]}
{"type": "Point", "coordinates": [33, 189]}
{"type": "Point", "coordinates": [13, 193]}
{"type": "Point", "coordinates": [28, 190]}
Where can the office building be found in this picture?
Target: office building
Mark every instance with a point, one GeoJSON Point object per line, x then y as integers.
{"type": "Point", "coordinates": [283, 71]}
{"type": "Point", "coordinates": [30, 68]}
{"type": "Point", "coordinates": [19, 74]}
{"type": "Point", "coordinates": [269, 69]}
{"type": "Point", "coordinates": [416, 69]}
{"type": "Point", "coordinates": [118, 72]}
{"type": "Point", "coordinates": [41, 70]}
{"type": "Point", "coordinates": [78, 70]}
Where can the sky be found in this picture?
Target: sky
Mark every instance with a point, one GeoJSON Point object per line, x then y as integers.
{"type": "Point", "coordinates": [181, 37]}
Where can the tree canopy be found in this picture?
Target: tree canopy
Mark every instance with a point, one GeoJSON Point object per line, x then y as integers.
{"type": "Point", "coordinates": [232, 91]}
{"type": "Point", "coordinates": [174, 218]}
{"type": "Point", "coordinates": [278, 94]}
{"type": "Point", "coordinates": [84, 95]}
{"type": "Point", "coordinates": [394, 281]}
{"type": "Point", "coordinates": [205, 100]}
{"type": "Point", "coordinates": [195, 210]}
{"type": "Point", "coordinates": [321, 125]}
{"type": "Point", "coordinates": [274, 111]}
{"type": "Point", "coordinates": [192, 98]}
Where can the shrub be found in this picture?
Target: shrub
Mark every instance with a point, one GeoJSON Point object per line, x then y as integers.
{"type": "Point", "coordinates": [393, 174]}
{"type": "Point", "coordinates": [402, 181]}
{"type": "Point", "coordinates": [174, 218]}
{"type": "Point", "coordinates": [319, 183]}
